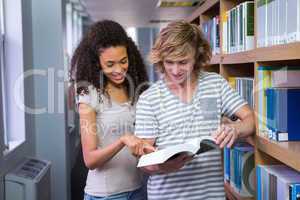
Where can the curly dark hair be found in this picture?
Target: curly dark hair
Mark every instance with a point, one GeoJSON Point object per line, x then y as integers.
{"type": "Point", "coordinates": [85, 64]}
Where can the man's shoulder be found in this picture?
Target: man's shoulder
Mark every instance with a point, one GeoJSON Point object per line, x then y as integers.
{"type": "Point", "coordinates": [210, 75]}
{"type": "Point", "coordinates": [152, 92]}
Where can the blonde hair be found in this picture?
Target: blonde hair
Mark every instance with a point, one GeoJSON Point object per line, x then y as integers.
{"type": "Point", "coordinates": [177, 40]}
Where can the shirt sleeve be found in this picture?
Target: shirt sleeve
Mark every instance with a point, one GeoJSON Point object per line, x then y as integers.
{"type": "Point", "coordinates": [90, 98]}
{"type": "Point", "coordinates": [146, 124]}
{"type": "Point", "coordinates": [231, 100]}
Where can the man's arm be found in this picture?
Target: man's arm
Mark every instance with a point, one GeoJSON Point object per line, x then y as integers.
{"type": "Point", "coordinates": [227, 134]}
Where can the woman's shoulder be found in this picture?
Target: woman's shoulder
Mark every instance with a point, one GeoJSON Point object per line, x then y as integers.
{"type": "Point", "coordinates": [89, 95]}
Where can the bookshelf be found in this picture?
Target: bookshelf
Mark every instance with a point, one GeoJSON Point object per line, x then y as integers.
{"type": "Point", "coordinates": [285, 152]}
{"type": "Point", "coordinates": [231, 194]}
{"type": "Point", "coordinates": [278, 52]}
{"type": "Point", "coordinates": [245, 64]}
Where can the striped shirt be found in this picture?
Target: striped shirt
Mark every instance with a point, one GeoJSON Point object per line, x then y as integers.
{"type": "Point", "coordinates": [164, 117]}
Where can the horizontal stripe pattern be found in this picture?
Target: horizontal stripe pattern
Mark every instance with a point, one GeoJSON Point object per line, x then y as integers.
{"type": "Point", "coordinates": [162, 116]}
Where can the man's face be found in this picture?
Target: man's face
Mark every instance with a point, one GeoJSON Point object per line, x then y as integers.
{"type": "Point", "coordinates": [179, 70]}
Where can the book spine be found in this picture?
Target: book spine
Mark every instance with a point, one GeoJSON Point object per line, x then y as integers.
{"type": "Point", "coordinates": [227, 164]}
{"type": "Point", "coordinates": [239, 27]}
{"type": "Point", "coordinates": [217, 34]}
{"type": "Point", "coordinates": [258, 183]}
{"type": "Point", "coordinates": [224, 32]}
{"type": "Point", "coordinates": [229, 30]}
{"type": "Point", "coordinates": [298, 19]}
{"type": "Point", "coordinates": [292, 24]}
{"type": "Point", "coordinates": [249, 38]}
{"type": "Point", "coordinates": [236, 28]}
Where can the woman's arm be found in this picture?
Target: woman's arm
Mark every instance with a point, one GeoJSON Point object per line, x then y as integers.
{"type": "Point", "coordinates": [95, 157]}
{"type": "Point", "coordinates": [227, 134]}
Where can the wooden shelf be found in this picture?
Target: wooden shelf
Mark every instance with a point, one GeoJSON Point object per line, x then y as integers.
{"type": "Point", "coordinates": [232, 195]}
{"type": "Point", "coordinates": [203, 8]}
{"type": "Point", "coordinates": [278, 52]}
{"type": "Point", "coordinates": [236, 58]}
{"type": "Point", "coordinates": [275, 53]}
{"type": "Point", "coordinates": [216, 59]}
{"type": "Point", "coordinates": [286, 152]}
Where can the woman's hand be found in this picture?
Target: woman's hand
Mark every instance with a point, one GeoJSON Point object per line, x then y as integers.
{"type": "Point", "coordinates": [169, 166]}
{"type": "Point", "coordinates": [137, 146]}
{"type": "Point", "coordinates": [226, 135]}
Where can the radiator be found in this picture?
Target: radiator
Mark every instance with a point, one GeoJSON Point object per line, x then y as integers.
{"type": "Point", "coordinates": [29, 181]}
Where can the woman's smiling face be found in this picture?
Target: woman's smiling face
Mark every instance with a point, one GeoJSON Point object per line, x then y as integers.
{"type": "Point", "coordinates": [114, 63]}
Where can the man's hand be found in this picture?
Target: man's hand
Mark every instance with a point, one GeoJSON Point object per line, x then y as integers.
{"type": "Point", "coordinates": [169, 166]}
{"type": "Point", "coordinates": [226, 135]}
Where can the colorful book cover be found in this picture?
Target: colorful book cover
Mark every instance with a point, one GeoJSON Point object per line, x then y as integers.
{"type": "Point", "coordinates": [295, 191]}
{"type": "Point", "coordinates": [243, 180]}
{"type": "Point", "coordinates": [264, 78]}
{"type": "Point", "coordinates": [225, 32]}
{"type": "Point", "coordinates": [232, 82]}
{"type": "Point", "coordinates": [286, 77]}
{"type": "Point", "coordinates": [283, 113]}
{"type": "Point", "coordinates": [274, 181]}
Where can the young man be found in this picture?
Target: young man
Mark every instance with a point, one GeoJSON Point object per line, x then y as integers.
{"type": "Point", "coordinates": [187, 104]}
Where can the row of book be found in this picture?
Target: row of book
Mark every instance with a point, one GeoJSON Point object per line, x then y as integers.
{"type": "Point", "coordinates": [277, 182]}
{"type": "Point", "coordinates": [278, 22]}
{"type": "Point", "coordinates": [244, 87]}
{"type": "Point", "coordinates": [238, 28]}
{"type": "Point", "coordinates": [278, 102]}
{"type": "Point", "coordinates": [239, 169]}
{"type": "Point", "coordinates": [211, 30]}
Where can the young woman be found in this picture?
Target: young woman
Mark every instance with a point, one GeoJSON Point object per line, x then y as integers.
{"type": "Point", "coordinates": [187, 104]}
{"type": "Point", "coordinates": [107, 70]}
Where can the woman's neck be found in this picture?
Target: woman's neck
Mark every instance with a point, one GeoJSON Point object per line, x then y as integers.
{"type": "Point", "coordinates": [111, 85]}
{"type": "Point", "coordinates": [117, 93]}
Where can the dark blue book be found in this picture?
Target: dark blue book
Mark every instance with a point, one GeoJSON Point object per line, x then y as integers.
{"type": "Point", "coordinates": [227, 164]}
{"type": "Point", "coordinates": [243, 178]}
{"type": "Point", "coordinates": [258, 183]}
{"type": "Point", "coordinates": [283, 113]}
{"type": "Point", "coordinates": [295, 191]}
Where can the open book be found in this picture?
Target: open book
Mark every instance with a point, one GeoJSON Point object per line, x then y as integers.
{"type": "Point", "coordinates": [193, 147]}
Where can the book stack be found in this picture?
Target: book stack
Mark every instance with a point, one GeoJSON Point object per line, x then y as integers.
{"type": "Point", "coordinates": [277, 182]}
{"type": "Point", "coordinates": [239, 169]}
{"type": "Point", "coordinates": [278, 94]}
{"type": "Point", "coordinates": [244, 86]}
{"type": "Point", "coordinates": [238, 28]}
{"type": "Point", "coordinates": [283, 113]}
{"type": "Point", "coordinates": [278, 22]}
{"type": "Point", "coordinates": [211, 30]}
